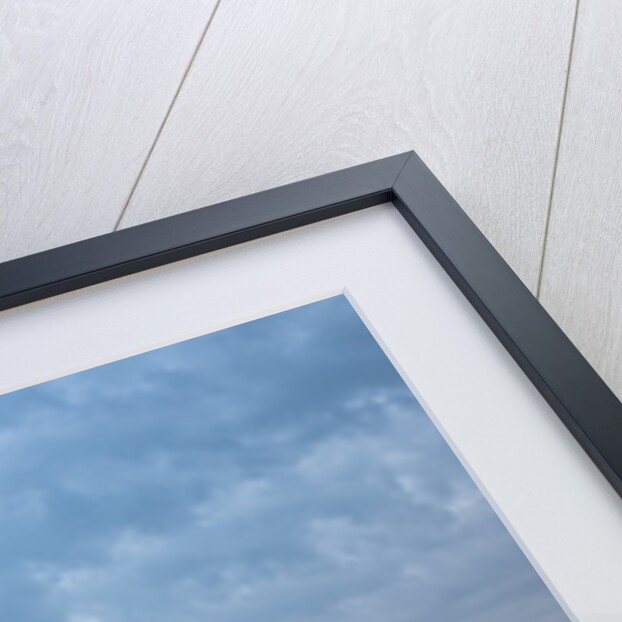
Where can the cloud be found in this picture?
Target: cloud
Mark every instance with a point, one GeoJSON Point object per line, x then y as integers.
{"type": "Point", "coordinates": [278, 470]}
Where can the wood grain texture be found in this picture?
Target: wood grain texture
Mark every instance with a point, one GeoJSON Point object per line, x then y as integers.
{"type": "Point", "coordinates": [84, 87]}
{"type": "Point", "coordinates": [582, 275]}
{"type": "Point", "coordinates": [282, 91]}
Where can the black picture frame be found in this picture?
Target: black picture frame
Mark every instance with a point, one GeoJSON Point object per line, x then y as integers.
{"type": "Point", "coordinates": [572, 388]}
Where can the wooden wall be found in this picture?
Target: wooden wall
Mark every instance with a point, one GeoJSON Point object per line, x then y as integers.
{"type": "Point", "coordinates": [113, 114]}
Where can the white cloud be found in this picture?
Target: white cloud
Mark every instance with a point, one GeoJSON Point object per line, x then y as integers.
{"type": "Point", "coordinates": [276, 471]}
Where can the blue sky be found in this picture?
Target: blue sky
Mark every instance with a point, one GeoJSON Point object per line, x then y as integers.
{"type": "Point", "coordinates": [277, 471]}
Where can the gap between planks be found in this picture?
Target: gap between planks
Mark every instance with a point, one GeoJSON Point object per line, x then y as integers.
{"type": "Point", "coordinates": [167, 114]}
{"type": "Point", "coordinates": [547, 218]}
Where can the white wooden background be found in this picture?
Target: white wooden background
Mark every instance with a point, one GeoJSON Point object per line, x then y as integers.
{"type": "Point", "coordinates": [115, 113]}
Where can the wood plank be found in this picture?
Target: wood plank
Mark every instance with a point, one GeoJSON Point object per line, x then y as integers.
{"type": "Point", "coordinates": [282, 91]}
{"type": "Point", "coordinates": [84, 87]}
{"type": "Point", "coordinates": [582, 276]}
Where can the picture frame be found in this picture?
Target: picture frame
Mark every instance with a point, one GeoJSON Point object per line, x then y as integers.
{"type": "Point", "coordinates": [575, 392]}
{"type": "Point", "coordinates": [530, 421]}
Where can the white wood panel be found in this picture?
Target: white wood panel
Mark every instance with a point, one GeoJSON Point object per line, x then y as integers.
{"type": "Point", "coordinates": [582, 276]}
{"type": "Point", "coordinates": [281, 91]}
{"type": "Point", "coordinates": [84, 87]}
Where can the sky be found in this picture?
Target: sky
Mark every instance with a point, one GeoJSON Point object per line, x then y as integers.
{"type": "Point", "coordinates": [276, 471]}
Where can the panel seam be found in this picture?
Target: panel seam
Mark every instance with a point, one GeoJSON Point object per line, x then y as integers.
{"type": "Point", "coordinates": [166, 116]}
{"type": "Point", "coordinates": [547, 219]}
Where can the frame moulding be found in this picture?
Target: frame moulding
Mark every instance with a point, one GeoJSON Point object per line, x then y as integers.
{"type": "Point", "coordinates": [572, 388]}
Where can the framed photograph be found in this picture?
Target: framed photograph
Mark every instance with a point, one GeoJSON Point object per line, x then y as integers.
{"type": "Point", "coordinates": [332, 400]}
